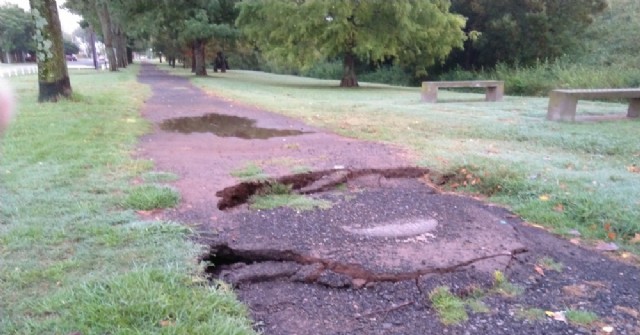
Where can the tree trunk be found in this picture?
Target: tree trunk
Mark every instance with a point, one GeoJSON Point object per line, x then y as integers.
{"type": "Point", "coordinates": [220, 63]}
{"type": "Point", "coordinates": [201, 66]}
{"type": "Point", "coordinates": [349, 78]}
{"type": "Point", "coordinates": [92, 41]}
{"type": "Point", "coordinates": [193, 57]}
{"type": "Point", "coordinates": [129, 55]}
{"type": "Point", "coordinates": [105, 22]}
{"type": "Point", "coordinates": [121, 46]}
{"type": "Point", "coordinates": [53, 76]}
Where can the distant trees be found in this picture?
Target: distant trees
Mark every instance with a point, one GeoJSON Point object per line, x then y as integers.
{"type": "Point", "coordinates": [109, 18]}
{"type": "Point", "coordinates": [414, 33]}
{"type": "Point", "coordinates": [522, 31]}
{"type": "Point", "coordinates": [205, 20]}
{"type": "Point", "coordinates": [70, 48]}
{"type": "Point", "coordinates": [16, 31]}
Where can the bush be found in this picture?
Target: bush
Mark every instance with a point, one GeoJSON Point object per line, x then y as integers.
{"type": "Point", "coordinates": [325, 70]}
{"type": "Point", "coordinates": [392, 75]}
{"type": "Point", "coordinates": [544, 76]}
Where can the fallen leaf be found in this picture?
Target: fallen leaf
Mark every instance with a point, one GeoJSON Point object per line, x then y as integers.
{"type": "Point", "coordinates": [559, 208]}
{"type": "Point", "coordinates": [627, 310]}
{"type": "Point", "coordinates": [611, 235]}
{"type": "Point", "coordinates": [539, 270]}
{"type": "Point", "coordinates": [558, 316]}
{"type": "Point", "coordinates": [145, 213]}
{"type": "Point", "coordinates": [166, 323]}
{"type": "Point", "coordinates": [633, 168]}
{"type": "Point", "coordinates": [576, 290]}
{"type": "Point", "coordinates": [604, 246]}
{"type": "Point", "coordinates": [544, 197]}
{"type": "Point", "coordinates": [575, 241]}
{"type": "Point", "coordinates": [574, 232]}
{"type": "Point", "coordinates": [635, 239]}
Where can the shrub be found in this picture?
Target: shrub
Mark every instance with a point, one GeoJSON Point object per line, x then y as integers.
{"type": "Point", "coordinates": [392, 75]}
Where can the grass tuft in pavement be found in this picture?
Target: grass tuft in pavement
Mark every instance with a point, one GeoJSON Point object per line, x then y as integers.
{"type": "Point", "coordinates": [280, 195]}
{"type": "Point", "coordinates": [450, 308]}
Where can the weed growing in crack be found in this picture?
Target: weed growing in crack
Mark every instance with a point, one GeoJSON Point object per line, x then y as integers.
{"type": "Point", "coordinates": [549, 263]}
{"type": "Point", "coordinates": [450, 308]}
{"type": "Point", "coordinates": [281, 195]}
{"type": "Point", "coordinates": [502, 286]}
{"type": "Point", "coordinates": [478, 306]}
{"type": "Point", "coordinates": [147, 197]}
{"type": "Point", "coordinates": [250, 172]}
{"type": "Point", "coordinates": [581, 317]}
{"type": "Point", "coordinates": [301, 169]}
{"type": "Point", "coordinates": [531, 314]}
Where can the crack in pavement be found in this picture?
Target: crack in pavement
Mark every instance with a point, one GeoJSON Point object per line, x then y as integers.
{"type": "Point", "coordinates": [308, 269]}
{"type": "Point", "coordinates": [311, 182]}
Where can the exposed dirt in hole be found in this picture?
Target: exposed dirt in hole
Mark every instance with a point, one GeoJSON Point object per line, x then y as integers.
{"type": "Point", "coordinates": [312, 182]}
{"type": "Point", "coordinates": [366, 265]}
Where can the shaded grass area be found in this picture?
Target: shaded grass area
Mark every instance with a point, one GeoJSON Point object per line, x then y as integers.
{"type": "Point", "coordinates": [72, 258]}
{"type": "Point", "coordinates": [564, 176]}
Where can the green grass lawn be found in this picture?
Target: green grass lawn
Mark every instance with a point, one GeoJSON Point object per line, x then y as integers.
{"type": "Point", "coordinates": [565, 176]}
{"type": "Point", "coordinates": [74, 255]}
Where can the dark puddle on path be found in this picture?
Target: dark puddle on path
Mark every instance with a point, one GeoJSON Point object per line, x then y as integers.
{"type": "Point", "coordinates": [224, 126]}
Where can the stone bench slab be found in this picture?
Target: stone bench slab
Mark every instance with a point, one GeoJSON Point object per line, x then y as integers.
{"type": "Point", "coordinates": [494, 88]}
{"type": "Point", "coordinates": [563, 103]}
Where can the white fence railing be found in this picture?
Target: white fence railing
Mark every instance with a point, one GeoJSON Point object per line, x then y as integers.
{"type": "Point", "coordinates": [12, 71]}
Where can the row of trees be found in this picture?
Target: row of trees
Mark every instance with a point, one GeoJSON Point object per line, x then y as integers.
{"type": "Point", "coordinates": [16, 31]}
{"type": "Point", "coordinates": [419, 35]}
{"type": "Point", "coordinates": [16, 35]}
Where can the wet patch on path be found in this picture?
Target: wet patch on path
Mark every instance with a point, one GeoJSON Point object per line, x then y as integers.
{"type": "Point", "coordinates": [224, 126]}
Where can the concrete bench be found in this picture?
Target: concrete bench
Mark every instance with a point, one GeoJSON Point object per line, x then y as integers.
{"type": "Point", "coordinates": [562, 103]}
{"type": "Point", "coordinates": [494, 88]}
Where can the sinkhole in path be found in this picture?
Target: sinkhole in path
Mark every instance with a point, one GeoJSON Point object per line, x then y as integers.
{"type": "Point", "coordinates": [224, 126]}
{"type": "Point", "coordinates": [384, 225]}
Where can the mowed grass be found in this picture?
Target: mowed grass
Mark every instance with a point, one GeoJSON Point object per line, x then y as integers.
{"type": "Point", "coordinates": [581, 176]}
{"type": "Point", "coordinates": [73, 258]}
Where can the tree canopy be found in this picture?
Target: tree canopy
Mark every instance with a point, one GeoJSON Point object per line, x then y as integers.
{"type": "Point", "coordinates": [523, 31]}
{"type": "Point", "coordinates": [410, 32]}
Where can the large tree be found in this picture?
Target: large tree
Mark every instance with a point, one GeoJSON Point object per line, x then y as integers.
{"type": "Point", "coordinates": [53, 76]}
{"type": "Point", "coordinates": [523, 31]}
{"type": "Point", "coordinates": [410, 32]}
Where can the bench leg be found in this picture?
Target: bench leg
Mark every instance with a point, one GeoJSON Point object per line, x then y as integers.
{"type": "Point", "coordinates": [562, 107]}
{"type": "Point", "coordinates": [429, 92]}
{"type": "Point", "coordinates": [495, 93]}
{"type": "Point", "coordinates": [634, 108]}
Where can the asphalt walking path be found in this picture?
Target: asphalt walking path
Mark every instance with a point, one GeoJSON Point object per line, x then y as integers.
{"type": "Point", "coordinates": [366, 259]}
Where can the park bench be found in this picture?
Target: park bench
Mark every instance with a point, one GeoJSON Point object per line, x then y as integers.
{"type": "Point", "coordinates": [494, 88]}
{"type": "Point", "coordinates": [562, 103]}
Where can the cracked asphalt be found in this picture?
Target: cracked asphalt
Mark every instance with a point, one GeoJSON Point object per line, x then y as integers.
{"type": "Point", "coordinates": [324, 271]}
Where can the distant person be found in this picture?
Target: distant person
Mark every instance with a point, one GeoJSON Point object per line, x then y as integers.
{"type": "Point", "coordinates": [7, 105]}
